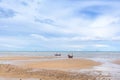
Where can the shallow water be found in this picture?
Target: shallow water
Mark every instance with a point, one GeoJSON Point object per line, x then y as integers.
{"type": "Point", "coordinates": [83, 54]}
{"type": "Point", "coordinates": [108, 68]}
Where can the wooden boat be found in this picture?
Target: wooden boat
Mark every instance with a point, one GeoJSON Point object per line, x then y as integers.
{"type": "Point", "coordinates": [70, 56]}
{"type": "Point", "coordinates": [57, 54]}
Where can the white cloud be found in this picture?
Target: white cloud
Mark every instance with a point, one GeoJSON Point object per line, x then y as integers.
{"type": "Point", "coordinates": [104, 21]}
{"type": "Point", "coordinates": [39, 37]}
{"type": "Point", "coordinates": [60, 22]}
{"type": "Point", "coordinates": [101, 45]}
{"type": "Point", "coordinates": [116, 38]}
{"type": "Point", "coordinates": [13, 43]}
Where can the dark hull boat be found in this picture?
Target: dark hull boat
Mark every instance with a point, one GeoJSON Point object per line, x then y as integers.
{"type": "Point", "coordinates": [70, 56]}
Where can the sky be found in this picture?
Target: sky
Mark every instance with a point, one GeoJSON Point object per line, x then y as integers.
{"type": "Point", "coordinates": [59, 25]}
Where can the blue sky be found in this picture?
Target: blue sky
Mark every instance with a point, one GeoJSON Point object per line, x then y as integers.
{"type": "Point", "coordinates": [54, 25]}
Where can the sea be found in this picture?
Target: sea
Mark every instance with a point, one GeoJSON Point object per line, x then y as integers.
{"type": "Point", "coordinates": [80, 54]}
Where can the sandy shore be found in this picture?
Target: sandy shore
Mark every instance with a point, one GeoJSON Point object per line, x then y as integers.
{"type": "Point", "coordinates": [63, 64]}
{"type": "Point", "coordinates": [25, 57]}
{"type": "Point", "coordinates": [50, 62]}
{"type": "Point", "coordinates": [11, 71]}
{"type": "Point", "coordinates": [48, 70]}
{"type": "Point", "coordinates": [117, 62]}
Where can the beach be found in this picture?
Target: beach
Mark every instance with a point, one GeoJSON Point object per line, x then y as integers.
{"type": "Point", "coordinates": [56, 68]}
{"type": "Point", "coordinates": [59, 39]}
{"type": "Point", "coordinates": [23, 67]}
{"type": "Point", "coordinates": [63, 64]}
{"type": "Point", "coordinates": [116, 62]}
{"type": "Point", "coordinates": [10, 71]}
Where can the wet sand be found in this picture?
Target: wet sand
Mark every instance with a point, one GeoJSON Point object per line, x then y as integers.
{"type": "Point", "coordinates": [117, 62]}
{"type": "Point", "coordinates": [63, 64]}
{"type": "Point", "coordinates": [12, 71]}
{"type": "Point", "coordinates": [48, 70]}
{"type": "Point", "coordinates": [25, 57]}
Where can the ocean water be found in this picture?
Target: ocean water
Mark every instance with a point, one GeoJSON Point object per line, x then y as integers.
{"type": "Point", "coordinates": [81, 54]}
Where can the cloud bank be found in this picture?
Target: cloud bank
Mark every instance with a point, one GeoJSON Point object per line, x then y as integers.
{"type": "Point", "coordinates": [53, 25]}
